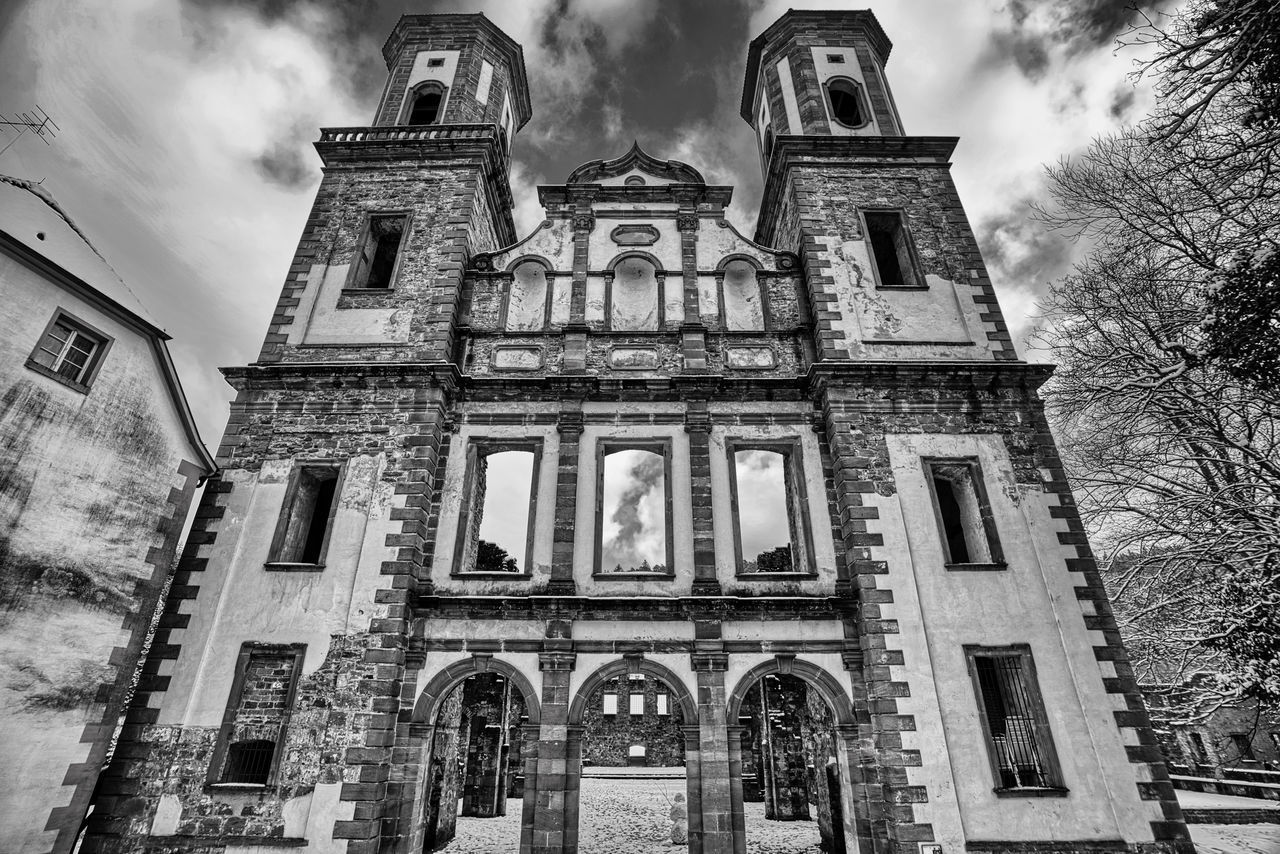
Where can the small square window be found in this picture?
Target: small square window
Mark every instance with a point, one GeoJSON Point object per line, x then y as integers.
{"type": "Point", "coordinates": [306, 520]}
{"type": "Point", "coordinates": [965, 521]}
{"type": "Point", "coordinates": [435, 62]}
{"type": "Point", "coordinates": [835, 58]}
{"type": "Point", "coordinates": [1014, 723]}
{"type": "Point", "coordinates": [892, 253]}
{"type": "Point", "coordinates": [70, 351]}
{"type": "Point", "coordinates": [375, 264]}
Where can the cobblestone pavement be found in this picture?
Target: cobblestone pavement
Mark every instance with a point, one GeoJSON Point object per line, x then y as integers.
{"type": "Point", "coordinates": [630, 817]}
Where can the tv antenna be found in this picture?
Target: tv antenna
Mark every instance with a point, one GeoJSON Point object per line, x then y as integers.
{"type": "Point", "coordinates": [37, 122]}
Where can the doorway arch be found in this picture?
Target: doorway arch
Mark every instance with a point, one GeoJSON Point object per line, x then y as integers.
{"type": "Point", "coordinates": [681, 699]}
{"type": "Point", "coordinates": [439, 747]}
{"type": "Point", "coordinates": [844, 774]}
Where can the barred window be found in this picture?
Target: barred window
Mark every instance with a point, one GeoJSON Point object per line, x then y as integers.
{"type": "Point", "coordinates": [1014, 723]}
{"type": "Point", "coordinates": [249, 745]}
{"type": "Point", "coordinates": [249, 762]}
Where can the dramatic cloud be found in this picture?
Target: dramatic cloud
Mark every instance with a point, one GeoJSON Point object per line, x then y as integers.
{"type": "Point", "coordinates": [186, 153]}
{"type": "Point", "coordinates": [635, 530]}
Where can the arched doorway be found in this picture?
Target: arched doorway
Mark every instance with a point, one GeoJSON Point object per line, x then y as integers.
{"type": "Point", "coordinates": [633, 769]}
{"type": "Point", "coordinates": [480, 760]}
{"type": "Point", "coordinates": [790, 734]}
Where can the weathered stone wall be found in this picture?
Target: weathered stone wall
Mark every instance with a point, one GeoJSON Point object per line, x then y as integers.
{"type": "Point", "coordinates": [607, 738]}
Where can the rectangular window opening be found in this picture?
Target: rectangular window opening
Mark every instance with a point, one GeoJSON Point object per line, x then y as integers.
{"type": "Point", "coordinates": [1199, 752]}
{"type": "Point", "coordinates": [891, 249]}
{"type": "Point", "coordinates": [664, 704]}
{"type": "Point", "coordinates": [835, 59]}
{"type": "Point", "coordinates": [764, 511]}
{"type": "Point", "coordinates": [610, 706]}
{"type": "Point", "coordinates": [1014, 720]}
{"type": "Point", "coordinates": [303, 533]}
{"type": "Point", "coordinates": [1243, 745]}
{"type": "Point", "coordinates": [249, 742]}
{"type": "Point", "coordinates": [376, 263]}
{"type": "Point", "coordinates": [637, 704]}
{"type": "Point", "coordinates": [435, 62]}
{"type": "Point", "coordinates": [633, 516]}
{"type": "Point", "coordinates": [498, 508]}
{"type": "Point", "coordinates": [964, 515]}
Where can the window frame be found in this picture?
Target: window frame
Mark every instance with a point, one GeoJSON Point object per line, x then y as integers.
{"type": "Point", "coordinates": [411, 97]}
{"type": "Point", "coordinates": [1042, 732]}
{"type": "Point", "coordinates": [217, 761]}
{"type": "Point", "coordinates": [366, 234]}
{"type": "Point", "coordinates": [985, 510]}
{"type": "Point", "coordinates": [473, 452]}
{"type": "Point", "coordinates": [799, 517]}
{"type": "Point", "coordinates": [508, 286]}
{"type": "Point", "coordinates": [859, 92]}
{"type": "Point", "coordinates": [279, 537]}
{"type": "Point", "coordinates": [904, 222]}
{"type": "Point", "coordinates": [93, 365]}
{"type": "Point", "coordinates": [605, 446]}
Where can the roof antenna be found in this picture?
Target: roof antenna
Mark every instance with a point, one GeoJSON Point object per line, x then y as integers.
{"type": "Point", "coordinates": [35, 121]}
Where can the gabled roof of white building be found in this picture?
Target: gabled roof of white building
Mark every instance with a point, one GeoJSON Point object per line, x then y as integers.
{"type": "Point", "coordinates": [34, 225]}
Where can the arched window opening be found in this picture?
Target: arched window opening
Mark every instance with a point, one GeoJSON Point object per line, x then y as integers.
{"type": "Point", "coordinates": [426, 106]}
{"type": "Point", "coordinates": [742, 298]}
{"type": "Point", "coordinates": [478, 755]}
{"type": "Point", "coordinates": [634, 299]}
{"type": "Point", "coordinates": [845, 99]}
{"type": "Point", "coordinates": [527, 299]}
{"type": "Point", "coordinates": [768, 142]}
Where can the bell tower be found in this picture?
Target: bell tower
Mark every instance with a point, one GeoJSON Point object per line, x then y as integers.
{"type": "Point", "coordinates": [873, 213]}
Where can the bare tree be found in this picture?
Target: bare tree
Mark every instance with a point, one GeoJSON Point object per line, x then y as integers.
{"type": "Point", "coordinates": [1177, 459]}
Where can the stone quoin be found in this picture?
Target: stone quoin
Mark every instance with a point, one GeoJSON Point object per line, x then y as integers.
{"type": "Point", "coordinates": [783, 509]}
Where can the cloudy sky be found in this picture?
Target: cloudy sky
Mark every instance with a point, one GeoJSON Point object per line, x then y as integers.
{"type": "Point", "coordinates": [185, 151]}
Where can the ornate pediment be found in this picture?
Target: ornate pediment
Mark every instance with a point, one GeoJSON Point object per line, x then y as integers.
{"type": "Point", "coordinates": [636, 168]}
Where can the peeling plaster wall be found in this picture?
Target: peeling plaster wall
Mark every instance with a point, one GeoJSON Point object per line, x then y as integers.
{"type": "Point", "coordinates": [85, 483]}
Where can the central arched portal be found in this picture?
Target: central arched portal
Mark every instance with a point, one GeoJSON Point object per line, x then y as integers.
{"type": "Point", "coordinates": [481, 757]}
{"type": "Point", "coordinates": [633, 763]}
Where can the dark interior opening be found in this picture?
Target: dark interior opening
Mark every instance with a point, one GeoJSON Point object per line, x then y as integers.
{"type": "Point", "coordinates": [884, 229]}
{"type": "Point", "coordinates": [952, 522]}
{"type": "Point", "coordinates": [846, 106]}
{"type": "Point", "coordinates": [385, 233]}
{"type": "Point", "coordinates": [319, 522]}
{"type": "Point", "coordinates": [426, 108]}
{"type": "Point", "coordinates": [249, 761]}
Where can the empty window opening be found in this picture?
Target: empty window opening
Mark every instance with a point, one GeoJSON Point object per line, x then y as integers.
{"type": "Point", "coordinates": [891, 249]}
{"type": "Point", "coordinates": [527, 299]}
{"type": "Point", "coordinates": [69, 350]}
{"type": "Point", "coordinates": [376, 264]}
{"type": "Point", "coordinates": [1013, 716]}
{"type": "Point", "coordinates": [835, 59]}
{"type": "Point", "coordinates": [633, 296]}
{"type": "Point", "coordinates": [249, 762]}
{"type": "Point", "coordinates": [257, 714]}
{"type": "Point", "coordinates": [742, 299]}
{"type": "Point", "coordinates": [768, 142]}
{"type": "Point", "coordinates": [435, 62]}
{"type": "Point", "coordinates": [303, 534]}
{"type": "Point", "coordinates": [845, 98]}
{"type": "Point", "coordinates": [498, 511]}
{"type": "Point", "coordinates": [764, 516]}
{"type": "Point", "coordinates": [633, 535]}
{"type": "Point", "coordinates": [1243, 746]}
{"type": "Point", "coordinates": [664, 704]}
{"type": "Point", "coordinates": [426, 106]}
{"type": "Point", "coordinates": [964, 516]}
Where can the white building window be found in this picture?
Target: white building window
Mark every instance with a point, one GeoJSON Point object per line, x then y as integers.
{"type": "Point", "coordinates": [70, 350]}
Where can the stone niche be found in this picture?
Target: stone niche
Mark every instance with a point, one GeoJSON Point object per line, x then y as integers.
{"type": "Point", "coordinates": [758, 358]}
{"type": "Point", "coordinates": [633, 358]}
{"type": "Point", "coordinates": [634, 235]}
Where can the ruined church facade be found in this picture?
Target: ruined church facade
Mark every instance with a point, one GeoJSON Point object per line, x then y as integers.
{"type": "Point", "coordinates": [919, 653]}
